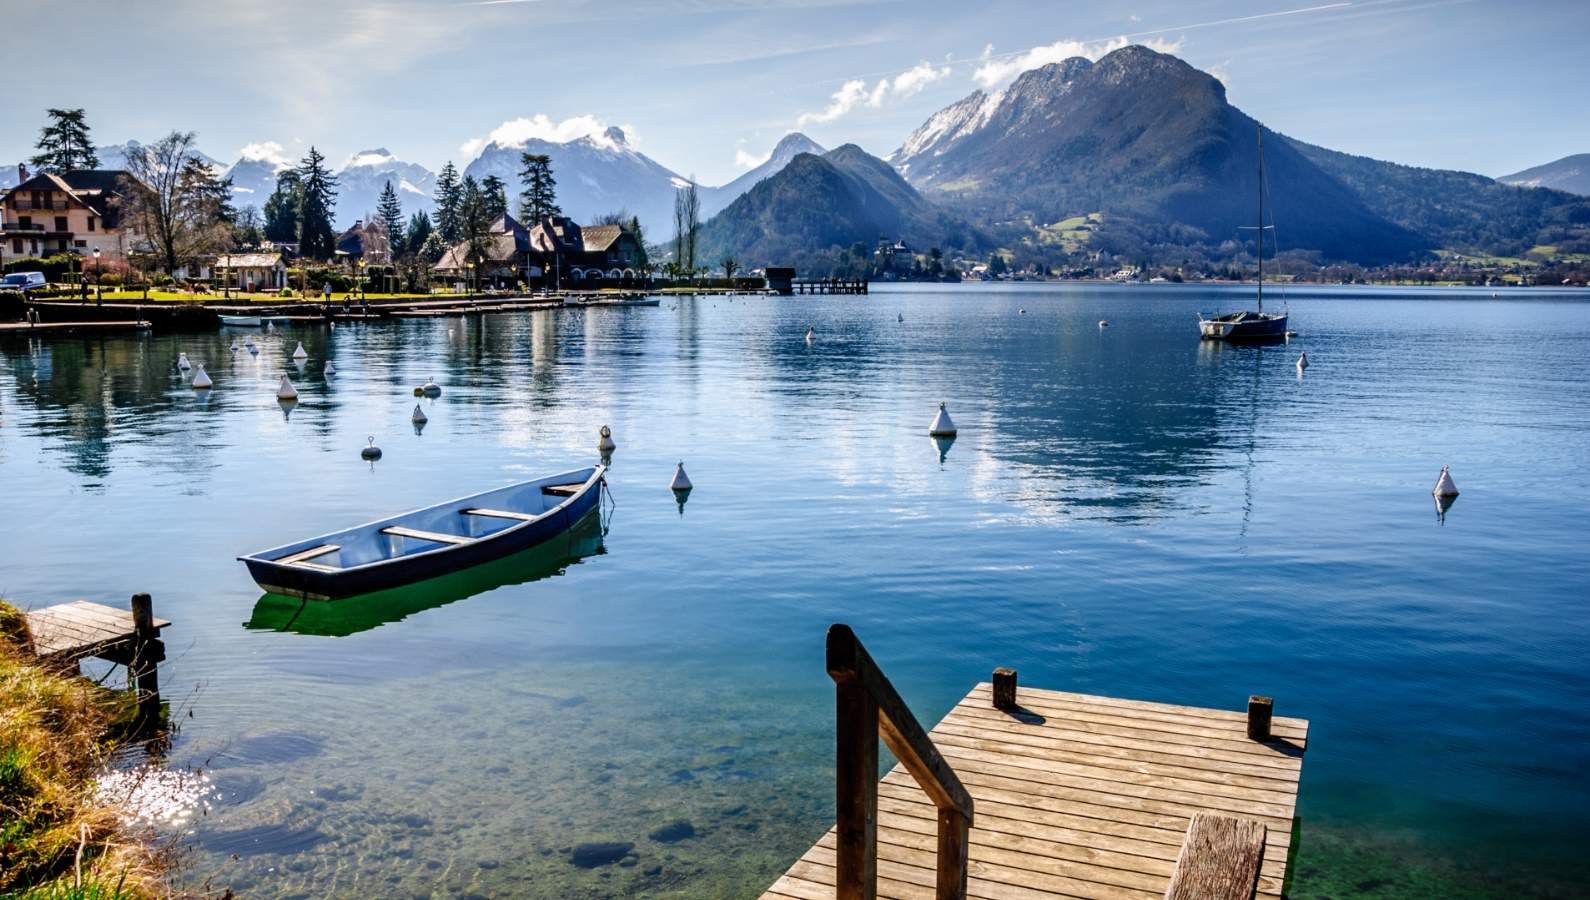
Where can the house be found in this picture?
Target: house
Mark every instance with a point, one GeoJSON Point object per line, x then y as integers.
{"type": "Point", "coordinates": [366, 242]}
{"type": "Point", "coordinates": [578, 254]}
{"type": "Point", "coordinates": [503, 256]}
{"type": "Point", "coordinates": [73, 212]}
{"type": "Point", "coordinates": [894, 256]}
{"type": "Point", "coordinates": [252, 271]}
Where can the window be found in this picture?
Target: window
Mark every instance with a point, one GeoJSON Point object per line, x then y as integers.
{"type": "Point", "coordinates": [91, 221]}
{"type": "Point", "coordinates": [60, 224]}
{"type": "Point", "coordinates": [25, 223]}
{"type": "Point", "coordinates": [80, 243]}
{"type": "Point", "coordinates": [16, 246]}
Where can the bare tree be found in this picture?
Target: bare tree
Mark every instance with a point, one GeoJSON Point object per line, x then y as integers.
{"type": "Point", "coordinates": [176, 201]}
{"type": "Point", "coordinates": [687, 224]}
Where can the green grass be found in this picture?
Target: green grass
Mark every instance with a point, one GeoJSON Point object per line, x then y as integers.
{"type": "Point", "coordinates": [167, 296]}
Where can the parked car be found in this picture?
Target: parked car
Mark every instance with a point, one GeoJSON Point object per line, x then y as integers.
{"type": "Point", "coordinates": [23, 281]}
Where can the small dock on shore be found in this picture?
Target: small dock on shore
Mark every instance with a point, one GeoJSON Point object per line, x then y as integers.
{"type": "Point", "coordinates": [829, 286]}
{"type": "Point", "coordinates": [70, 327]}
{"type": "Point", "coordinates": [1026, 793]}
{"type": "Point", "coordinates": [71, 632]}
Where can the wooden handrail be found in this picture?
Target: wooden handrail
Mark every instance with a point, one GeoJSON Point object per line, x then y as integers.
{"type": "Point", "coordinates": [867, 706]}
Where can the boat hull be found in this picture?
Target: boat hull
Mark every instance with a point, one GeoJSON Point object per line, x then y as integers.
{"type": "Point", "coordinates": [317, 581]}
{"type": "Point", "coordinates": [1243, 326]}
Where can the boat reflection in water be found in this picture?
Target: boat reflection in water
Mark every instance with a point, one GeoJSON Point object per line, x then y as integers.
{"type": "Point", "coordinates": [351, 615]}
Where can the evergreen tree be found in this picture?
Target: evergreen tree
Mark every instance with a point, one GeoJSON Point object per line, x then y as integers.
{"type": "Point", "coordinates": [447, 200]}
{"type": "Point", "coordinates": [540, 195]}
{"type": "Point", "coordinates": [640, 239]}
{"type": "Point", "coordinates": [64, 144]}
{"type": "Point", "coordinates": [419, 232]}
{"type": "Point", "coordinates": [281, 208]}
{"type": "Point", "coordinates": [474, 219]}
{"type": "Point", "coordinates": [317, 201]}
{"type": "Point", "coordinates": [390, 213]}
{"type": "Point", "coordinates": [248, 230]}
{"type": "Point", "coordinates": [494, 193]}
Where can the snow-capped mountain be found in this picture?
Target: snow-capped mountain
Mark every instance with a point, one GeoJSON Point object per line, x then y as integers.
{"type": "Point", "coordinates": [790, 146]}
{"type": "Point", "coordinates": [365, 175]}
{"type": "Point", "coordinates": [947, 126]}
{"type": "Point", "coordinates": [253, 180]}
{"type": "Point", "coordinates": [596, 174]}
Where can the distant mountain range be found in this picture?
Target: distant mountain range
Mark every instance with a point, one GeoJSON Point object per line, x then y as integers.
{"type": "Point", "coordinates": [1571, 174]}
{"type": "Point", "coordinates": [1153, 145]}
{"type": "Point", "coordinates": [818, 203]}
{"type": "Point", "coordinates": [714, 199]}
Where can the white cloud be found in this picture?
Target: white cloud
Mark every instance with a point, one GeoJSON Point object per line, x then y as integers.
{"type": "Point", "coordinates": [1221, 73]}
{"type": "Point", "coordinates": [996, 70]}
{"type": "Point", "coordinates": [266, 151]}
{"type": "Point", "coordinates": [516, 132]}
{"type": "Point", "coordinates": [855, 92]}
{"type": "Point", "coordinates": [746, 160]}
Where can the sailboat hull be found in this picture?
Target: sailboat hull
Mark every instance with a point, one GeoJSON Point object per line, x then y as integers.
{"type": "Point", "coordinates": [1243, 326]}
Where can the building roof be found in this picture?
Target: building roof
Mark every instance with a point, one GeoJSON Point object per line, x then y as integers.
{"type": "Point", "coordinates": [248, 260]}
{"type": "Point", "coordinates": [93, 188]}
{"type": "Point", "coordinates": [557, 234]}
{"type": "Point", "coordinates": [598, 238]}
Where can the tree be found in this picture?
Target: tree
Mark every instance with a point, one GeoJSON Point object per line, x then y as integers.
{"type": "Point", "coordinates": [249, 228]}
{"type": "Point", "coordinates": [389, 212]}
{"type": "Point", "coordinates": [494, 193]}
{"type": "Point", "coordinates": [540, 195]}
{"type": "Point", "coordinates": [640, 241]}
{"type": "Point", "coordinates": [281, 208]}
{"type": "Point", "coordinates": [687, 225]}
{"type": "Point", "coordinates": [474, 221]}
{"type": "Point", "coordinates": [419, 232]}
{"type": "Point", "coordinates": [447, 200]}
{"type": "Point", "coordinates": [176, 201]}
{"type": "Point", "coordinates": [64, 144]}
{"type": "Point", "coordinates": [729, 268]}
{"type": "Point", "coordinates": [317, 200]}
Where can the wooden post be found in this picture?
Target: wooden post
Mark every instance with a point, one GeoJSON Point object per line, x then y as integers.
{"type": "Point", "coordinates": [856, 797]}
{"type": "Point", "coordinates": [950, 880]}
{"type": "Point", "coordinates": [1004, 688]}
{"type": "Point", "coordinates": [1260, 710]}
{"type": "Point", "coordinates": [146, 655]}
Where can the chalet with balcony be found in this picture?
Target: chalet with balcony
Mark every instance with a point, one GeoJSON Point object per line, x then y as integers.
{"type": "Point", "coordinates": [72, 212]}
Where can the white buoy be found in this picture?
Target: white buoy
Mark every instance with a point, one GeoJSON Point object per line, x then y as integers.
{"type": "Point", "coordinates": [605, 443]}
{"type": "Point", "coordinates": [942, 425]}
{"type": "Point", "coordinates": [431, 388]}
{"type": "Point", "coordinates": [372, 452]}
{"type": "Point", "coordinates": [202, 381]}
{"type": "Point", "coordinates": [1445, 486]}
{"type": "Point", "coordinates": [419, 417]}
{"type": "Point", "coordinates": [1302, 361]}
{"type": "Point", "coordinates": [234, 345]}
{"type": "Point", "coordinates": [681, 481]}
{"type": "Point", "coordinates": [1022, 311]}
{"type": "Point", "coordinates": [331, 368]}
{"type": "Point", "coordinates": [285, 390]}
{"type": "Point", "coordinates": [254, 349]}
{"type": "Point", "coordinates": [810, 334]}
{"type": "Point", "coordinates": [182, 362]}
{"type": "Point", "coordinates": [1104, 323]}
{"type": "Point", "coordinates": [300, 353]}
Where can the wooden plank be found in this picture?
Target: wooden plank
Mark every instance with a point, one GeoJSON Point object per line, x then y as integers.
{"type": "Point", "coordinates": [499, 514]}
{"type": "Point", "coordinates": [433, 536]}
{"type": "Point", "coordinates": [1025, 694]}
{"type": "Point", "coordinates": [1232, 741]}
{"type": "Point", "coordinates": [1219, 860]}
{"type": "Point", "coordinates": [564, 490]}
{"type": "Point", "coordinates": [109, 615]}
{"type": "Point", "coordinates": [311, 553]}
{"type": "Point", "coordinates": [1219, 731]}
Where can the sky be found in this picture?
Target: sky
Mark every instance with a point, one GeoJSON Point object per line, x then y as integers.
{"type": "Point", "coordinates": [707, 87]}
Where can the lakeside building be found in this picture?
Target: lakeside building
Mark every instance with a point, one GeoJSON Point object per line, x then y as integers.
{"type": "Point", "coordinates": [73, 212]}
{"type": "Point", "coordinates": [554, 251]}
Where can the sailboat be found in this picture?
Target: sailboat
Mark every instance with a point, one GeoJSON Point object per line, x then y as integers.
{"type": "Point", "coordinates": [1248, 325]}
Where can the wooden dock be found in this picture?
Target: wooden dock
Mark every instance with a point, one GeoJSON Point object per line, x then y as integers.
{"type": "Point", "coordinates": [69, 327]}
{"type": "Point", "coordinates": [78, 630]}
{"type": "Point", "coordinates": [1066, 795]}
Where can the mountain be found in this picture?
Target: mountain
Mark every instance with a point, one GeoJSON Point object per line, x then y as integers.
{"type": "Point", "coordinates": [713, 200]}
{"type": "Point", "coordinates": [253, 181]}
{"type": "Point", "coordinates": [1571, 174]}
{"type": "Point", "coordinates": [365, 175]}
{"type": "Point", "coordinates": [596, 174]}
{"type": "Point", "coordinates": [1153, 145]}
{"type": "Point", "coordinates": [818, 203]}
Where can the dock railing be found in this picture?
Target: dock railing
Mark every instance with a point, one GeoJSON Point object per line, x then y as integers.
{"type": "Point", "coordinates": [867, 706]}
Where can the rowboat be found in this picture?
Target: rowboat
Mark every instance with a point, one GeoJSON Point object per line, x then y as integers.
{"type": "Point", "coordinates": [242, 321]}
{"type": "Point", "coordinates": [429, 542]}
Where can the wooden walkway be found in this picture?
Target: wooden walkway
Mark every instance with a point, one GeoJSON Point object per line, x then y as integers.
{"type": "Point", "coordinates": [1078, 796]}
{"type": "Point", "coordinates": [77, 630]}
{"type": "Point", "coordinates": [67, 327]}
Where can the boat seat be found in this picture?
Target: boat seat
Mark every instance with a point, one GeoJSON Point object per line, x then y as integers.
{"type": "Point", "coordinates": [433, 536]}
{"type": "Point", "coordinates": [316, 566]}
{"type": "Point", "coordinates": [562, 490]}
{"type": "Point", "coordinates": [299, 557]}
{"type": "Point", "coordinates": [498, 514]}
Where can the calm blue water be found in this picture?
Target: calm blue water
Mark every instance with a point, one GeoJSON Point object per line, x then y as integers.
{"type": "Point", "coordinates": [1127, 511]}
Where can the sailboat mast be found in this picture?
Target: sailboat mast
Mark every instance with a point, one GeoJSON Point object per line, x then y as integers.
{"type": "Point", "coordinates": [1261, 218]}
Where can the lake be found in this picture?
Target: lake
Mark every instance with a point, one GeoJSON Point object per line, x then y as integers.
{"type": "Point", "coordinates": [1127, 511]}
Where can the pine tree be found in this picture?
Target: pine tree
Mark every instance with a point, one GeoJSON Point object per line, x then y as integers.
{"type": "Point", "coordinates": [281, 208]}
{"type": "Point", "coordinates": [317, 239]}
{"type": "Point", "coordinates": [640, 239]}
{"type": "Point", "coordinates": [390, 213]}
{"type": "Point", "coordinates": [540, 195]}
{"type": "Point", "coordinates": [474, 221]}
{"type": "Point", "coordinates": [494, 193]}
{"type": "Point", "coordinates": [447, 200]}
{"type": "Point", "coordinates": [419, 231]}
{"type": "Point", "coordinates": [64, 144]}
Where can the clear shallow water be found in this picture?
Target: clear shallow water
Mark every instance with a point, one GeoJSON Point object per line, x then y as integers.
{"type": "Point", "coordinates": [1126, 511]}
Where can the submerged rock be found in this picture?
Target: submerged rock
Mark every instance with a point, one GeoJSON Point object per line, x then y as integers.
{"type": "Point", "coordinates": [674, 831]}
{"type": "Point", "coordinates": [591, 854]}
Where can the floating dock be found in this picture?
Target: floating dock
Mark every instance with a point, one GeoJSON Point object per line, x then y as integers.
{"type": "Point", "coordinates": [70, 327]}
{"type": "Point", "coordinates": [1063, 795]}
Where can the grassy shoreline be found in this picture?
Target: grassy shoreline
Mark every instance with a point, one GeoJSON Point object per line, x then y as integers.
{"type": "Point", "coordinates": [58, 841]}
